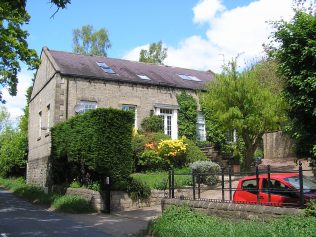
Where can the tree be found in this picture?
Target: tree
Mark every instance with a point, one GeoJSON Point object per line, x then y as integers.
{"type": "Point", "coordinates": [88, 41]}
{"type": "Point", "coordinates": [155, 54]}
{"type": "Point", "coordinates": [238, 101]}
{"type": "Point", "coordinates": [293, 45]}
{"type": "Point", "coordinates": [13, 45]}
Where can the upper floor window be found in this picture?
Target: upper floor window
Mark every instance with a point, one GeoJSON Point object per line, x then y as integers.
{"type": "Point", "coordinates": [40, 124]}
{"type": "Point", "coordinates": [48, 116]}
{"type": "Point", "coordinates": [105, 67]}
{"type": "Point", "coordinates": [143, 77]}
{"type": "Point", "coordinates": [188, 77]}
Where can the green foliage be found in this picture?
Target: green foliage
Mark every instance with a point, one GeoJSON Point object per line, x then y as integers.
{"type": "Point", "coordinates": [184, 222]}
{"type": "Point", "coordinates": [88, 41]}
{"type": "Point", "coordinates": [152, 123]}
{"type": "Point", "coordinates": [96, 186]}
{"type": "Point", "coordinates": [293, 45]}
{"type": "Point", "coordinates": [207, 171]}
{"type": "Point", "coordinates": [75, 184]}
{"type": "Point", "coordinates": [97, 142]}
{"type": "Point", "coordinates": [193, 152]}
{"type": "Point", "coordinates": [187, 115]}
{"type": "Point", "coordinates": [14, 47]}
{"type": "Point", "coordinates": [238, 101]}
{"type": "Point", "coordinates": [311, 208]}
{"type": "Point", "coordinates": [151, 160]}
{"type": "Point", "coordinates": [138, 190]}
{"type": "Point", "coordinates": [155, 54]}
{"type": "Point", "coordinates": [71, 204]}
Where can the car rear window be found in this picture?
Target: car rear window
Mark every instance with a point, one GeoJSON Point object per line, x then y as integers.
{"type": "Point", "coordinates": [309, 185]}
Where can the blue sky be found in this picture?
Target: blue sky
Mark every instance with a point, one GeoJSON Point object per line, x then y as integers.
{"type": "Point", "coordinates": [199, 34]}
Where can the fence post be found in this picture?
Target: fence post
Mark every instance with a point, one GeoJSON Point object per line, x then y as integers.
{"type": "Point", "coordinates": [257, 183]}
{"type": "Point", "coordinates": [223, 184]}
{"type": "Point", "coordinates": [169, 179]}
{"type": "Point", "coordinates": [193, 185]}
{"type": "Point", "coordinates": [300, 173]}
{"type": "Point", "coordinates": [269, 183]}
{"type": "Point", "coordinates": [106, 194]}
{"type": "Point", "coordinates": [230, 182]}
{"type": "Point", "coordinates": [172, 175]}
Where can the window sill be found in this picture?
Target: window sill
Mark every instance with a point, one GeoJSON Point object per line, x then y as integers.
{"type": "Point", "coordinates": [39, 138]}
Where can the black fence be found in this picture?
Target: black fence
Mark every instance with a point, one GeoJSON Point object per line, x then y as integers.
{"type": "Point", "coordinates": [262, 186]}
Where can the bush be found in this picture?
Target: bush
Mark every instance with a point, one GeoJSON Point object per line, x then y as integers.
{"type": "Point", "coordinates": [311, 208]}
{"type": "Point", "coordinates": [72, 204]}
{"type": "Point", "coordinates": [208, 170]}
{"type": "Point", "coordinates": [75, 184]}
{"type": "Point", "coordinates": [153, 123]}
{"type": "Point", "coordinates": [193, 152]}
{"type": "Point", "coordinates": [137, 190]}
{"type": "Point", "coordinates": [97, 142]}
{"type": "Point", "coordinates": [173, 152]}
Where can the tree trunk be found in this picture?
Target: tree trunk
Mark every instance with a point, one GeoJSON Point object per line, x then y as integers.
{"type": "Point", "coordinates": [249, 156]}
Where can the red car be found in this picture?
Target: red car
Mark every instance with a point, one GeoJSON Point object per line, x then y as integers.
{"type": "Point", "coordinates": [284, 189]}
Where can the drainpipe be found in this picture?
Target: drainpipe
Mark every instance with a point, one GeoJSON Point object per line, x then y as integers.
{"type": "Point", "coordinates": [67, 98]}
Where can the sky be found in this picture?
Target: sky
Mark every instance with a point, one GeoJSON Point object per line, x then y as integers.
{"type": "Point", "coordinates": [199, 34]}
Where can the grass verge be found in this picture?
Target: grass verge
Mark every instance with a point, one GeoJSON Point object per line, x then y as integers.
{"type": "Point", "coordinates": [71, 204]}
{"type": "Point", "coordinates": [159, 179]}
{"type": "Point", "coordinates": [185, 223]}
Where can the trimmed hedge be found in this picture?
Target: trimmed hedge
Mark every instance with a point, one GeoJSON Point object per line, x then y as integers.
{"type": "Point", "coordinates": [97, 142]}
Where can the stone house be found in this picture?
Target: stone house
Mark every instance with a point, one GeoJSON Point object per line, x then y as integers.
{"type": "Point", "coordinates": [68, 83]}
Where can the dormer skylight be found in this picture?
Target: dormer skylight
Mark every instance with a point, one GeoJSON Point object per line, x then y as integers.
{"type": "Point", "coordinates": [105, 67]}
{"type": "Point", "coordinates": [143, 77]}
{"type": "Point", "coordinates": [189, 78]}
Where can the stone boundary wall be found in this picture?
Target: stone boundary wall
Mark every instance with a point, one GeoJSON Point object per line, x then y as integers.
{"type": "Point", "coordinates": [120, 200]}
{"type": "Point", "coordinates": [231, 210]}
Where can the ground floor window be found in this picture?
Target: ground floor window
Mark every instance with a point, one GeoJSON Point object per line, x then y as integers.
{"type": "Point", "coordinates": [169, 117]}
{"type": "Point", "coordinates": [85, 106]}
{"type": "Point", "coordinates": [200, 127]}
{"type": "Point", "coordinates": [132, 108]}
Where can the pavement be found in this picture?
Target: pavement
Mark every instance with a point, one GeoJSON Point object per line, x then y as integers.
{"type": "Point", "coordinates": [21, 218]}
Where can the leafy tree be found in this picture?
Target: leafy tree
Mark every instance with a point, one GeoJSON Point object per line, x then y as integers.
{"type": "Point", "coordinates": [238, 101]}
{"type": "Point", "coordinates": [88, 41]}
{"type": "Point", "coordinates": [13, 45]}
{"type": "Point", "coordinates": [155, 54]}
{"type": "Point", "coordinates": [187, 115]}
{"type": "Point", "coordinates": [4, 118]}
{"type": "Point", "coordinates": [293, 45]}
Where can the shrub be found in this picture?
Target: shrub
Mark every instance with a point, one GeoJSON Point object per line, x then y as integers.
{"type": "Point", "coordinates": [208, 171]}
{"type": "Point", "coordinates": [311, 208]}
{"type": "Point", "coordinates": [173, 152]}
{"type": "Point", "coordinates": [137, 190]}
{"type": "Point", "coordinates": [151, 160]}
{"type": "Point", "coordinates": [193, 152]}
{"type": "Point", "coordinates": [187, 115]}
{"type": "Point", "coordinates": [153, 123]}
{"type": "Point", "coordinates": [96, 186]}
{"type": "Point", "coordinates": [75, 184]}
{"type": "Point", "coordinates": [96, 142]}
{"type": "Point", "coordinates": [72, 204]}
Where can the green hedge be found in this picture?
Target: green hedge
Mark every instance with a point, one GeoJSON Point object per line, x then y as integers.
{"type": "Point", "coordinates": [98, 142]}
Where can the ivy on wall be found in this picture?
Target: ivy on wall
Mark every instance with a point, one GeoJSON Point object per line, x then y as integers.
{"type": "Point", "coordinates": [98, 141]}
{"type": "Point", "coordinates": [187, 115]}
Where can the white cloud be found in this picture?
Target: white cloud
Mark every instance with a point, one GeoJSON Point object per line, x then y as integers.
{"type": "Point", "coordinates": [231, 32]}
{"type": "Point", "coordinates": [15, 104]}
{"type": "Point", "coordinates": [134, 53]}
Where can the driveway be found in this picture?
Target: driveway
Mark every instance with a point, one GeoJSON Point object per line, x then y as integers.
{"type": "Point", "coordinates": [21, 218]}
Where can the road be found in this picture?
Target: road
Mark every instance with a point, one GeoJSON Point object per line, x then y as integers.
{"type": "Point", "coordinates": [21, 218]}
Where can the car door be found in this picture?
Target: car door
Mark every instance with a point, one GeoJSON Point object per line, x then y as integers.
{"type": "Point", "coordinates": [280, 193]}
{"type": "Point", "coordinates": [247, 193]}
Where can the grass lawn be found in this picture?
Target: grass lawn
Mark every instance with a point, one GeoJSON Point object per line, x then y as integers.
{"type": "Point", "coordinates": [159, 179]}
{"type": "Point", "coordinates": [183, 222]}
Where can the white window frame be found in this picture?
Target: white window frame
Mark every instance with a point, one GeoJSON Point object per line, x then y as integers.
{"type": "Point", "coordinates": [128, 107]}
{"type": "Point", "coordinates": [87, 105]}
{"type": "Point", "coordinates": [200, 127]}
{"type": "Point", "coordinates": [173, 120]}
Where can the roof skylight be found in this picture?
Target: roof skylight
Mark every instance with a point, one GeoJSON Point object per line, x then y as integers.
{"type": "Point", "coordinates": [105, 67]}
{"type": "Point", "coordinates": [189, 78]}
{"type": "Point", "coordinates": [143, 77]}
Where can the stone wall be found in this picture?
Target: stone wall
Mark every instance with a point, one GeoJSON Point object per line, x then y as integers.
{"type": "Point", "coordinates": [231, 210]}
{"type": "Point", "coordinates": [278, 146]}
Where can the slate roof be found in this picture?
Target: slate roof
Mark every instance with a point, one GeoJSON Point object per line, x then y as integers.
{"type": "Point", "coordinates": [85, 66]}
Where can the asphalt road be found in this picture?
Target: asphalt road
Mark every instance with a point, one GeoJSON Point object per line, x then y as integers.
{"type": "Point", "coordinates": [21, 218]}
